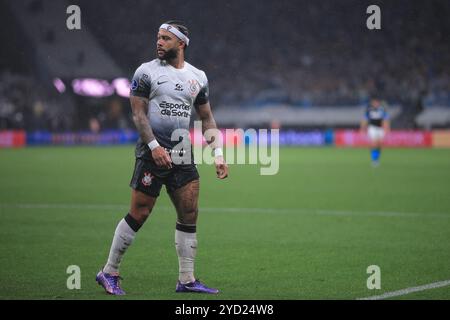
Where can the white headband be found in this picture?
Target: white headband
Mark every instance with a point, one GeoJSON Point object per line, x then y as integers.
{"type": "Point", "coordinates": [176, 32]}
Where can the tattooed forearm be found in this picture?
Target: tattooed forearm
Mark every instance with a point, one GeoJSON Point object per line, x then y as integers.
{"type": "Point", "coordinates": [208, 123]}
{"type": "Point", "coordinates": [209, 126]}
{"type": "Point", "coordinates": [211, 135]}
{"type": "Point", "coordinates": [143, 127]}
{"type": "Point", "coordinates": [140, 106]}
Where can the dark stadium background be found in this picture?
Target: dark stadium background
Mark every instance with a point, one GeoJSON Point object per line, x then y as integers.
{"type": "Point", "coordinates": [257, 54]}
{"type": "Point", "coordinates": [305, 67]}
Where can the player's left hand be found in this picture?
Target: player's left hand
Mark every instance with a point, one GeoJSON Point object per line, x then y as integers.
{"type": "Point", "coordinates": [221, 167]}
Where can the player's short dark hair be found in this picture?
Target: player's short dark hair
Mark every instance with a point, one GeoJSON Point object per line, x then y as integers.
{"type": "Point", "coordinates": [181, 26]}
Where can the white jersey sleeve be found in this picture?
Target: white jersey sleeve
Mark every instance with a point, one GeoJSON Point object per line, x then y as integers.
{"type": "Point", "coordinates": [141, 83]}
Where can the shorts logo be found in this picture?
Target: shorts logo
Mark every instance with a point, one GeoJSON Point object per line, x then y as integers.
{"type": "Point", "coordinates": [147, 179]}
{"type": "Point", "coordinates": [193, 87]}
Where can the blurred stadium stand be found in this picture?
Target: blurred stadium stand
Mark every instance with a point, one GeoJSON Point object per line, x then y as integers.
{"type": "Point", "coordinates": [437, 117]}
{"type": "Point", "coordinates": [307, 118]}
{"type": "Point", "coordinates": [305, 64]}
{"type": "Point", "coordinates": [58, 51]}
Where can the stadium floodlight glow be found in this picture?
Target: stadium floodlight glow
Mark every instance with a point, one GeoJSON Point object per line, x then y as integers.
{"type": "Point", "coordinates": [59, 85]}
{"type": "Point", "coordinates": [98, 88]}
{"type": "Point", "coordinates": [92, 87]}
{"type": "Point", "coordinates": [122, 86]}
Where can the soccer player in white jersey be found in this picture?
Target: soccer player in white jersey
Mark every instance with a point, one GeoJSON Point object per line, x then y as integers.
{"type": "Point", "coordinates": [376, 123]}
{"type": "Point", "coordinates": [163, 93]}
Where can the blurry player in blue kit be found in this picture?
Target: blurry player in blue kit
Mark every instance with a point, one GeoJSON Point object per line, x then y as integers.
{"type": "Point", "coordinates": [376, 124]}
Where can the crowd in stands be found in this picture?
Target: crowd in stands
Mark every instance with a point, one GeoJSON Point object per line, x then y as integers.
{"type": "Point", "coordinates": [302, 53]}
{"type": "Point", "coordinates": [305, 53]}
{"type": "Point", "coordinates": [26, 104]}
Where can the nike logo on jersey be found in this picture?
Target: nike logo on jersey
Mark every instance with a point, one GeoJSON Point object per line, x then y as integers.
{"type": "Point", "coordinates": [159, 83]}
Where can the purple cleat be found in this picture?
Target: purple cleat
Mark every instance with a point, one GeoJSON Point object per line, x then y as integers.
{"type": "Point", "coordinates": [110, 282]}
{"type": "Point", "coordinates": [195, 286]}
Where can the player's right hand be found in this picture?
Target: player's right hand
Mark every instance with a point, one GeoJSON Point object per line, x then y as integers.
{"type": "Point", "coordinates": [221, 167]}
{"type": "Point", "coordinates": [161, 157]}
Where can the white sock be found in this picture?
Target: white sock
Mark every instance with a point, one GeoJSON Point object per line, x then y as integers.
{"type": "Point", "coordinates": [123, 237]}
{"type": "Point", "coordinates": [186, 245]}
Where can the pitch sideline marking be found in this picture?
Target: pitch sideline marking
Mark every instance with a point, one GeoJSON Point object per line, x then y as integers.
{"type": "Point", "coordinates": [230, 210]}
{"type": "Point", "coordinates": [406, 291]}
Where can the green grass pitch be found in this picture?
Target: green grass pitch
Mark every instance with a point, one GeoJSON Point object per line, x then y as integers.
{"type": "Point", "coordinates": [309, 232]}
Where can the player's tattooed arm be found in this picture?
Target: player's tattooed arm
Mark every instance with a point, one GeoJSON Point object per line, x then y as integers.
{"type": "Point", "coordinates": [213, 137]}
{"type": "Point", "coordinates": [209, 127]}
{"type": "Point", "coordinates": [139, 107]}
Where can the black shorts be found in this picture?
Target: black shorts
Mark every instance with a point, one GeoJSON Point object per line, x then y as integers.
{"type": "Point", "coordinates": [149, 178]}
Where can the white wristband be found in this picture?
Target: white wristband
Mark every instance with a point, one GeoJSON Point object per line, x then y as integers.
{"type": "Point", "coordinates": [153, 144]}
{"type": "Point", "coordinates": [218, 152]}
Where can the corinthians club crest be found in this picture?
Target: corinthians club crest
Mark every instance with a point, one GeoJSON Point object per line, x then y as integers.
{"type": "Point", "coordinates": [194, 87]}
{"type": "Point", "coordinates": [147, 179]}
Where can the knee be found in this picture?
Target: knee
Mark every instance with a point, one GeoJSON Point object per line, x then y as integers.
{"type": "Point", "coordinates": [189, 217]}
{"type": "Point", "coordinates": [141, 213]}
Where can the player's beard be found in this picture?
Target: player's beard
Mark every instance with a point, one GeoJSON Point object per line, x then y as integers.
{"type": "Point", "coordinates": [169, 55]}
